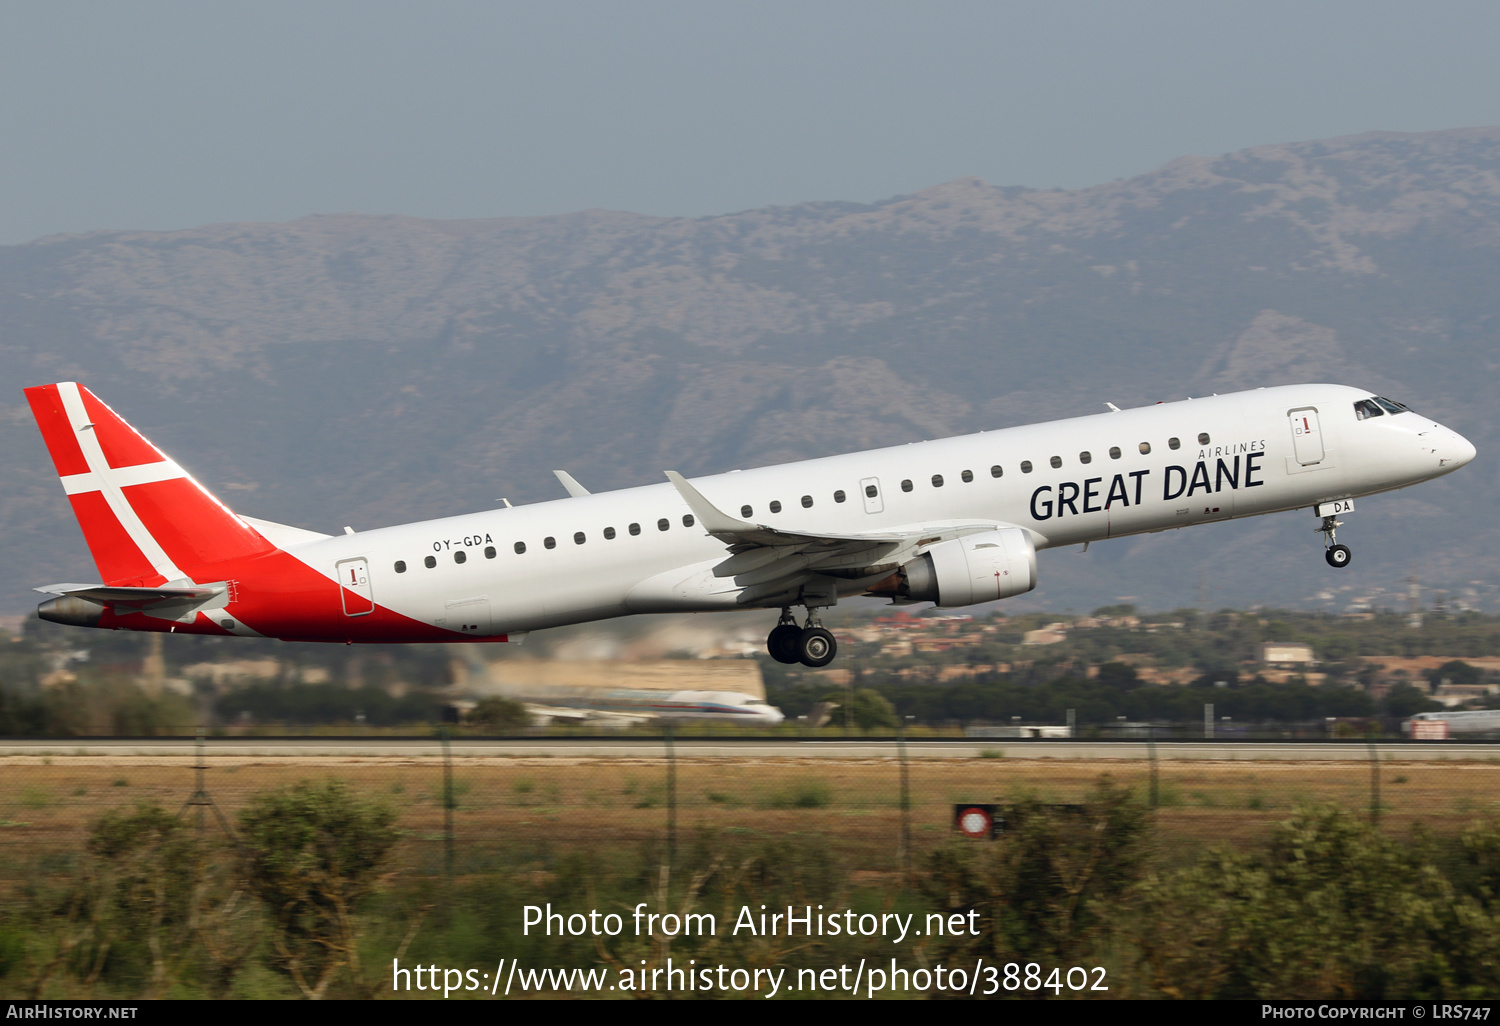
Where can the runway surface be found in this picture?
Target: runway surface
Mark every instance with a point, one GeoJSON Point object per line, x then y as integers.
{"type": "Point", "coordinates": [752, 748]}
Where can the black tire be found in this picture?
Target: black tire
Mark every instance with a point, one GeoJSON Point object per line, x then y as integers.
{"type": "Point", "coordinates": [816, 647]}
{"type": "Point", "coordinates": [782, 642]}
{"type": "Point", "coordinates": [1338, 556]}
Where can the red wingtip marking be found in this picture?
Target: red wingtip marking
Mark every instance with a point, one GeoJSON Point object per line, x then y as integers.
{"type": "Point", "coordinates": [57, 432]}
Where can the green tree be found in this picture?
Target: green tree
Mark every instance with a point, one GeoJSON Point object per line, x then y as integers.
{"type": "Point", "coordinates": [1455, 671]}
{"type": "Point", "coordinates": [1403, 700]}
{"type": "Point", "coordinates": [311, 853]}
{"type": "Point", "coordinates": [868, 710]}
{"type": "Point", "coordinates": [1121, 676]}
{"type": "Point", "coordinates": [1331, 910]}
{"type": "Point", "coordinates": [496, 713]}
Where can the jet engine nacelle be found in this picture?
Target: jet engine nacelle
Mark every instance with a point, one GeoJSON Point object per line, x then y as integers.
{"type": "Point", "coordinates": [71, 610]}
{"type": "Point", "coordinates": [975, 568]}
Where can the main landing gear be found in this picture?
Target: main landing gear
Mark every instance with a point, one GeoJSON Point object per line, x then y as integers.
{"type": "Point", "coordinates": [1338, 556]}
{"type": "Point", "coordinates": [810, 645]}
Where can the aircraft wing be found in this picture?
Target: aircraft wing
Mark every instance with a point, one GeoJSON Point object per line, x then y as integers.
{"type": "Point", "coordinates": [767, 561]}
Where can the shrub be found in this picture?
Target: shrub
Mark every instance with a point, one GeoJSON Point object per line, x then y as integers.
{"type": "Point", "coordinates": [1049, 888]}
{"type": "Point", "coordinates": [311, 853]}
{"type": "Point", "coordinates": [1331, 910]}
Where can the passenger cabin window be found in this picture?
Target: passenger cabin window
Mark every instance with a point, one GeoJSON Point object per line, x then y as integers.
{"type": "Point", "coordinates": [1114, 452]}
{"type": "Point", "coordinates": [460, 556]}
{"type": "Point", "coordinates": [489, 552]}
{"type": "Point", "coordinates": [520, 547]}
{"type": "Point", "coordinates": [1367, 408]}
{"type": "Point", "coordinates": [688, 521]}
{"type": "Point", "coordinates": [871, 491]}
{"type": "Point", "coordinates": [400, 566]}
{"type": "Point", "coordinates": [746, 512]}
{"type": "Point", "coordinates": [635, 529]}
{"type": "Point", "coordinates": [1085, 457]}
{"type": "Point", "coordinates": [839, 496]}
{"type": "Point", "coordinates": [609, 534]}
{"type": "Point", "coordinates": [1203, 438]}
{"type": "Point", "coordinates": [1174, 443]}
{"type": "Point", "coordinates": [967, 476]}
{"type": "Point", "coordinates": [996, 470]}
{"type": "Point", "coordinates": [775, 506]}
{"type": "Point", "coordinates": [430, 562]}
{"type": "Point", "coordinates": [1025, 466]}
{"type": "Point", "coordinates": [1145, 448]}
{"type": "Point", "coordinates": [578, 538]}
{"type": "Point", "coordinates": [549, 542]}
{"type": "Point", "coordinates": [663, 524]}
{"type": "Point", "coordinates": [807, 502]}
{"type": "Point", "coordinates": [937, 480]}
{"type": "Point", "coordinates": [1056, 462]}
{"type": "Point", "coordinates": [906, 485]}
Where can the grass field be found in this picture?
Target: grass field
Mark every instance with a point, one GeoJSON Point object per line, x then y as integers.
{"type": "Point", "coordinates": [515, 811]}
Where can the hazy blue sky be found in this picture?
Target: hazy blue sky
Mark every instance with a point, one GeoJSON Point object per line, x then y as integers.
{"type": "Point", "coordinates": [154, 114]}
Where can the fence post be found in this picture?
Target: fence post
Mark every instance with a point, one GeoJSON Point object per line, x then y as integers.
{"type": "Point", "coordinates": [1151, 754]}
{"type": "Point", "coordinates": [905, 840]}
{"type": "Point", "coordinates": [200, 792]}
{"type": "Point", "coordinates": [671, 800]}
{"type": "Point", "coordinates": [200, 799]}
{"type": "Point", "coordinates": [447, 804]}
{"type": "Point", "coordinates": [1374, 778]}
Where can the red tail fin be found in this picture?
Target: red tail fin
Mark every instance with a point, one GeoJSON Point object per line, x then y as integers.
{"type": "Point", "coordinates": [144, 518]}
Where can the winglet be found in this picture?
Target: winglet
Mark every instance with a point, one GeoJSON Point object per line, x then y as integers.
{"type": "Point", "coordinates": [574, 488]}
{"type": "Point", "coordinates": [713, 520]}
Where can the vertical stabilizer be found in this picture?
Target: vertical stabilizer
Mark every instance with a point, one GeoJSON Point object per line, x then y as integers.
{"type": "Point", "coordinates": [144, 518]}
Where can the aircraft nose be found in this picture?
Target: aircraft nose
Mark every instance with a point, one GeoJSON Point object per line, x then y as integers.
{"type": "Point", "coordinates": [1458, 451]}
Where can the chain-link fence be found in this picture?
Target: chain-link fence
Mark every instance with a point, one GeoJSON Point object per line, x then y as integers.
{"type": "Point", "coordinates": [878, 805]}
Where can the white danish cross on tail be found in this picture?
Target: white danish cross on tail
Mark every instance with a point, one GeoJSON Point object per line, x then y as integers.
{"type": "Point", "coordinates": [957, 512]}
{"type": "Point", "coordinates": [109, 481]}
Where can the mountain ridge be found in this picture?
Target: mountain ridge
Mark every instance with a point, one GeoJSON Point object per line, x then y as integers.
{"type": "Point", "coordinates": [387, 368]}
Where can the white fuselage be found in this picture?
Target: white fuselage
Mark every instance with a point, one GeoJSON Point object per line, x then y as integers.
{"type": "Point", "coordinates": [1089, 479]}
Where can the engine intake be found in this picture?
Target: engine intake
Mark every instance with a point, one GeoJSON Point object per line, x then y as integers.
{"type": "Point", "coordinates": [975, 568]}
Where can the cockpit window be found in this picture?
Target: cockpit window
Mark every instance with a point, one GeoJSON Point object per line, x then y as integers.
{"type": "Point", "coordinates": [1391, 406]}
{"type": "Point", "coordinates": [1367, 408]}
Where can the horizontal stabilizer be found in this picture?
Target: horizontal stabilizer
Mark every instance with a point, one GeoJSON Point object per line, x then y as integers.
{"type": "Point", "coordinates": [106, 595]}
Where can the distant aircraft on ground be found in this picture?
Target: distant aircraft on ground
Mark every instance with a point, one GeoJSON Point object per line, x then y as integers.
{"type": "Point", "coordinates": [1468, 721]}
{"type": "Point", "coordinates": [955, 522]}
{"type": "Point", "coordinates": [624, 707]}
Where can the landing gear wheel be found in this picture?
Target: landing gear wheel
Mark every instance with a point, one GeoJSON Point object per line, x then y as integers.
{"type": "Point", "coordinates": [816, 647]}
{"type": "Point", "coordinates": [1338, 556]}
{"type": "Point", "coordinates": [782, 642]}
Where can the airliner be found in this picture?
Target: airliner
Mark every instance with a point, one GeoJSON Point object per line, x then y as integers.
{"type": "Point", "coordinates": [1468, 721]}
{"type": "Point", "coordinates": [954, 521]}
{"type": "Point", "coordinates": [624, 707]}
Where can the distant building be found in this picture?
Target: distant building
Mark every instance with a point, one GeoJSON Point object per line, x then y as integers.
{"type": "Point", "coordinates": [1051, 634]}
{"type": "Point", "coordinates": [1286, 653]}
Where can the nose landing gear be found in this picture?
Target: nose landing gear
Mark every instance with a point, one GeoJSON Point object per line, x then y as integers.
{"type": "Point", "coordinates": [1336, 555]}
{"type": "Point", "coordinates": [810, 645]}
